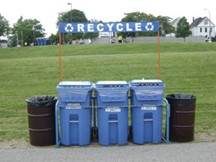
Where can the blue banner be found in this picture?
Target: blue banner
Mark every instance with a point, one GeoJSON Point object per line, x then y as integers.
{"type": "Point", "coordinates": [109, 27]}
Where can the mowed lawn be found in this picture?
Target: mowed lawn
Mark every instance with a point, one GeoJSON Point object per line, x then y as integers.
{"type": "Point", "coordinates": [32, 71]}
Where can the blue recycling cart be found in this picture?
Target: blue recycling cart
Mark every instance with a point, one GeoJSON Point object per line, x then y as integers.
{"type": "Point", "coordinates": [112, 112]}
{"type": "Point", "coordinates": [73, 113]}
{"type": "Point", "coordinates": [147, 111]}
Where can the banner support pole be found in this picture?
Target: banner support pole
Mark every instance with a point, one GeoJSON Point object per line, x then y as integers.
{"type": "Point", "coordinates": [159, 55]}
{"type": "Point", "coordinates": [60, 57]}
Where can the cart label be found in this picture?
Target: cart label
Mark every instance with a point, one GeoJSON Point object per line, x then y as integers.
{"type": "Point", "coordinates": [149, 107]}
{"type": "Point", "coordinates": [113, 109]}
{"type": "Point", "coordinates": [73, 106]}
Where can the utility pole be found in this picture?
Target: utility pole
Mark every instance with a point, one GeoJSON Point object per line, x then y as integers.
{"type": "Point", "coordinates": [70, 19]}
{"type": "Point", "coordinates": [210, 30]}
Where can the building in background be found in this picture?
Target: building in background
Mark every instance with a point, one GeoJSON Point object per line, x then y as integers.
{"type": "Point", "coordinates": [202, 26]}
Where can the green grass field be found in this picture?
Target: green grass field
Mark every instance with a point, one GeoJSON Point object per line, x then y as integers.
{"type": "Point", "coordinates": [32, 71]}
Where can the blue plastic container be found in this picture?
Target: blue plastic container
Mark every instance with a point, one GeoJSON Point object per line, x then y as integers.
{"type": "Point", "coordinates": [75, 112]}
{"type": "Point", "coordinates": [146, 111]}
{"type": "Point", "coordinates": [41, 41]}
{"type": "Point", "coordinates": [112, 112]}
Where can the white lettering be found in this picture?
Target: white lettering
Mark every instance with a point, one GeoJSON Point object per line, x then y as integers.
{"type": "Point", "coordinates": [90, 27]}
{"type": "Point", "coordinates": [149, 107]}
{"type": "Point", "coordinates": [80, 28]}
{"type": "Point", "coordinates": [100, 27]}
{"type": "Point", "coordinates": [112, 109]}
{"type": "Point", "coordinates": [110, 27]}
{"type": "Point", "coordinates": [138, 27]}
{"type": "Point", "coordinates": [73, 106]}
{"type": "Point", "coordinates": [128, 27]}
{"type": "Point", "coordinates": [119, 27]}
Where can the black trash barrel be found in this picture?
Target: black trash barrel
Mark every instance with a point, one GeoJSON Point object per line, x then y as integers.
{"type": "Point", "coordinates": [182, 117]}
{"type": "Point", "coordinates": [41, 120]}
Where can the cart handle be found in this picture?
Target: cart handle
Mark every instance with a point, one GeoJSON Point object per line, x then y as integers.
{"type": "Point", "coordinates": [57, 124]}
{"type": "Point", "coordinates": [166, 138]}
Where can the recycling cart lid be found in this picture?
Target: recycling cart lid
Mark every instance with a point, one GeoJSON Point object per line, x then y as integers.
{"type": "Point", "coordinates": [148, 89]}
{"type": "Point", "coordinates": [74, 91]}
{"type": "Point", "coordinates": [147, 83]}
{"type": "Point", "coordinates": [112, 84]}
{"type": "Point", "coordinates": [74, 84]}
{"type": "Point", "coordinates": [112, 91]}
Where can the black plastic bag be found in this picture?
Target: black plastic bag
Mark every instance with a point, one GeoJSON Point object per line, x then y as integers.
{"type": "Point", "coordinates": [181, 96]}
{"type": "Point", "coordinates": [41, 100]}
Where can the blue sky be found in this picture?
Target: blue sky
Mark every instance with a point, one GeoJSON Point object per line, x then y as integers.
{"type": "Point", "coordinates": [46, 11]}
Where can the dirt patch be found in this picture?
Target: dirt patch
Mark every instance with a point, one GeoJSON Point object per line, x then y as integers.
{"type": "Point", "coordinates": [23, 144]}
{"type": "Point", "coordinates": [203, 137]}
{"type": "Point", "coordinates": [15, 144]}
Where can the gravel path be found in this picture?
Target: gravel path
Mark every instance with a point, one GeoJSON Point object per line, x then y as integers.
{"type": "Point", "coordinates": [174, 152]}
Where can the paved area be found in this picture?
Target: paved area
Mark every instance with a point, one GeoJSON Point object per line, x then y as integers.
{"type": "Point", "coordinates": [173, 152]}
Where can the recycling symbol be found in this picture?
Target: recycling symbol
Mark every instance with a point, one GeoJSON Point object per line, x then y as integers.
{"type": "Point", "coordinates": [149, 26]}
{"type": "Point", "coordinates": [69, 28]}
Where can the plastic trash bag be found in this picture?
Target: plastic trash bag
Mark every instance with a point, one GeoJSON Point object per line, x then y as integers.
{"type": "Point", "coordinates": [181, 96]}
{"type": "Point", "coordinates": [41, 100]}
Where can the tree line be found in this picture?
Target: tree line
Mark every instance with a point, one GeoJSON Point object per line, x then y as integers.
{"type": "Point", "coordinates": [27, 30]}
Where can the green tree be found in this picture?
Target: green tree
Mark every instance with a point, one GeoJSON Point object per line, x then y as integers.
{"type": "Point", "coordinates": [183, 28]}
{"type": "Point", "coordinates": [165, 27]}
{"type": "Point", "coordinates": [76, 16]}
{"type": "Point", "coordinates": [53, 39]}
{"type": "Point", "coordinates": [27, 30]}
{"type": "Point", "coordinates": [141, 16]}
{"type": "Point", "coordinates": [4, 26]}
{"type": "Point", "coordinates": [133, 17]}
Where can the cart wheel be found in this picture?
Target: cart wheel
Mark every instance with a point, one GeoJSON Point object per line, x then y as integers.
{"type": "Point", "coordinates": [94, 133]}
